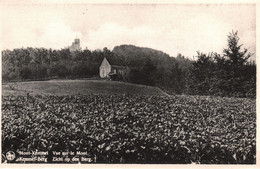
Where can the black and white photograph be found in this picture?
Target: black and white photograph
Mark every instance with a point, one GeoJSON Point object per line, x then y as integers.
{"type": "Point", "coordinates": [128, 83]}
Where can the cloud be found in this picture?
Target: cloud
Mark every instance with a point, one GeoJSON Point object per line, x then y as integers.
{"type": "Point", "coordinates": [186, 40]}
{"type": "Point", "coordinates": [170, 28]}
{"type": "Point", "coordinates": [58, 35]}
{"type": "Point", "coordinates": [53, 35]}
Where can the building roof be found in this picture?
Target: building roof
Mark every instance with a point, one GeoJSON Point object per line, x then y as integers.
{"type": "Point", "coordinates": [116, 62]}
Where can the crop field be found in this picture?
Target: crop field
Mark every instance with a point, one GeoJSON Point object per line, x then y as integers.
{"type": "Point", "coordinates": [126, 128]}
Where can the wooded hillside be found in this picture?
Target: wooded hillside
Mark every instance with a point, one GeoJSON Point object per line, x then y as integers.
{"type": "Point", "coordinates": [227, 74]}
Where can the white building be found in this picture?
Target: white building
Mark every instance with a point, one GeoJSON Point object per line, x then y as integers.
{"type": "Point", "coordinates": [110, 67]}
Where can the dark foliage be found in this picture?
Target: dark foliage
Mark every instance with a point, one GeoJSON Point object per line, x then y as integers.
{"type": "Point", "coordinates": [36, 64]}
{"type": "Point", "coordinates": [152, 67]}
{"type": "Point", "coordinates": [144, 66]}
{"type": "Point", "coordinates": [227, 75]}
{"type": "Point", "coordinates": [133, 128]}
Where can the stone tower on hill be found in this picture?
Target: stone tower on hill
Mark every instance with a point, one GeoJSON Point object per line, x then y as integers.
{"type": "Point", "coordinates": [75, 46]}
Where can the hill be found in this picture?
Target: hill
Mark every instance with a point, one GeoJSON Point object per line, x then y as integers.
{"type": "Point", "coordinates": [78, 87]}
{"type": "Point", "coordinates": [155, 68]}
{"type": "Point", "coordinates": [134, 55]}
{"type": "Point", "coordinates": [141, 51]}
{"type": "Point", "coordinates": [137, 56]}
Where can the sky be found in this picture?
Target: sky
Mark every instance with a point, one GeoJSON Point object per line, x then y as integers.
{"type": "Point", "coordinates": [171, 28]}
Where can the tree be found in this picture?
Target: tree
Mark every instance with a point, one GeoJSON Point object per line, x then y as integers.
{"type": "Point", "coordinates": [146, 75]}
{"type": "Point", "coordinates": [228, 75]}
{"type": "Point", "coordinates": [25, 72]}
{"type": "Point", "coordinates": [233, 54]}
{"type": "Point", "coordinates": [200, 74]}
{"type": "Point", "coordinates": [149, 71]}
{"type": "Point", "coordinates": [235, 63]}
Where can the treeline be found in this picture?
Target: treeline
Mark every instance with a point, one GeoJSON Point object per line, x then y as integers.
{"type": "Point", "coordinates": [152, 68]}
{"type": "Point", "coordinates": [40, 63]}
{"type": "Point", "coordinates": [229, 74]}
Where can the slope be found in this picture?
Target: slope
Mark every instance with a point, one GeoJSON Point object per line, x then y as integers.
{"type": "Point", "coordinates": [77, 87]}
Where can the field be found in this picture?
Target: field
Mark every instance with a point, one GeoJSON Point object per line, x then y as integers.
{"type": "Point", "coordinates": [113, 122]}
{"type": "Point", "coordinates": [77, 87]}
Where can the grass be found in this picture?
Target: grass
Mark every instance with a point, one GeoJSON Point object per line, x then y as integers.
{"type": "Point", "coordinates": [78, 87]}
